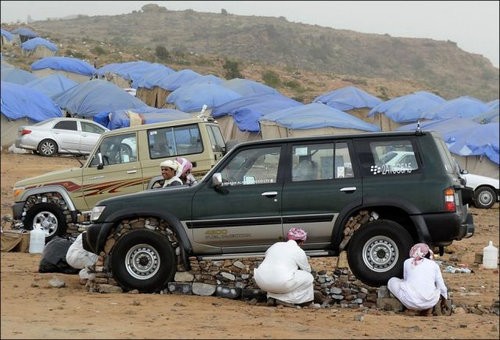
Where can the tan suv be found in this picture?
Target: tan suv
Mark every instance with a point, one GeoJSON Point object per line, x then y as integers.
{"type": "Point", "coordinates": [122, 162]}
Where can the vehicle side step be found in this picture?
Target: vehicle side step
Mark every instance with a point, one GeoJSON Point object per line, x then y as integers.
{"type": "Point", "coordinates": [312, 253]}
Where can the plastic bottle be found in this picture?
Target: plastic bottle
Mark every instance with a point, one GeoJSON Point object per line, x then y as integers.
{"type": "Point", "coordinates": [37, 240]}
{"type": "Point", "coordinates": [490, 256]}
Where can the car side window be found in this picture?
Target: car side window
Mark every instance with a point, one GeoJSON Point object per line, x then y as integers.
{"type": "Point", "coordinates": [66, 125]}
{"type": "Point", "coordinates": [117, 150]}
{"type": "Point", "coordinates": [252, 166]}
{"type": "Point", "coordinates": [174, 141]}
{"type": "Point", "coordinates": [91, 128]}
{"type": "Point", "coordinates": [394, 157]}
{"type": "Point", "coordinates": [311, 162]}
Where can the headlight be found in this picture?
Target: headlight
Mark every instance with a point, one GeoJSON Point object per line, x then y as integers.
{"type": "Point", "coordinates": [96, 212]}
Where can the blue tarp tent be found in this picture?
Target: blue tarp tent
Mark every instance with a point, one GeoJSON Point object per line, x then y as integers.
{"type": "Point", "coordinates": [193, 98]}
{"type": "Point", "coordinates": [140, 73]}
{"type": "Point", "coordinates": [148, 115]}
{"type": "Point", "coordinates": [68, 64]}
{"type": "Point", "coordinates": [462, 107]}
{"type": "Point", "coordinates": [95, 96]}
{"type": "Point", "coordinates": [52, 85]}
{"type": "Point", "coordinates": [19, 101]}
{"type": "Point", "coordinates": [267, 102]}
{"type": "Point", "coordinates": [493, 115]}
{"type": "Point", "coordinates": [408, 108]}
{"type": "Point", "coordinates": [25, 32]}
{"type": "Point", "coordinates": [175, 80]}
{"type": "Point", "coordinates": [317, 115]}
{"type": "Point", "coordinates": [348, 98]}
{"type": "Point", "coordinates": [32, 44]}
{"type": "Point", "coordinates": [9, 36]}
{"type": "Point", "coordinates": [247, 87]}
{"type": "Point", "coordinates": [16, 75]}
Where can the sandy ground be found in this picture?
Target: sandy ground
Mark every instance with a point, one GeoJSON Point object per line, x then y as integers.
{"type": "Point", "coordinates": [30, 309]}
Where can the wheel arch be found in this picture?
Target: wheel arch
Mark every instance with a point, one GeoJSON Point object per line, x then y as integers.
{"type": "Point", "coordinates": [48, 189]}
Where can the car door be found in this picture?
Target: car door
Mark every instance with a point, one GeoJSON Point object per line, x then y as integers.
{"type": "Point", "coordinates": [89, 135]}
{"type": "Point", "coordinates": [320, 184]}
{"type": "Point", "coordinates": [66, 135]}
{"type": "Point", "coordinates": [243, 215]}
{"type": "Point", "coordinates": [120, 173]}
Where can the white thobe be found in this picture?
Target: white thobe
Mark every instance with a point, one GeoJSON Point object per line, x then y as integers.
{"type": "Point", "coordinates": [421, 286]}
{"type": "Point", "coordinates": [285, 273]}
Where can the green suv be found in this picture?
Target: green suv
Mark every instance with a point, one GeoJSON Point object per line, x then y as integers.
{"type": "Point", "coordinates": [123, 161]}
{"type": "Point", "coordinates": [344, 190]}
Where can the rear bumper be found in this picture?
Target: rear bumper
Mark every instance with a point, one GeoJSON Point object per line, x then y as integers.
{"type": "Point", "coordinates": [448, 227]}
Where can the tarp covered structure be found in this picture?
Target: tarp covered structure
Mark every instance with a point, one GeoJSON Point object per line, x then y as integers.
{"type": "Point", "coordinates": [348, 98]}
{"type": "Point", "coordinates": [21, 105]}
{"type": "Point", "coordinates": [133, 74]}
{"type": "Point", "coordinates": [52, 85]}
{"type": "Point", "coordinates": [96, 96]}
{"type": "Point", "coordinates": [73, 68]}
{"type": "Point", "coordinates": [24, 33]}
{"type": "Point", "coordinates": [493, 115]}
{"type": "Point", "coordinates": [247, 87]}
{"type": "Point", "coordinates": [147, 115]}
{"type": "Point", "coordinates": [474, 145]}
{"type": "Point", "coordinates": [461, 107]}
{"type": "Point", "coordinates": [175, 80]}
{"type": "Point", "coordinates": [7, 37]}
{"type": "Point", "coordinates": [403, 110]}
{"type": "Point", "coordinates": [239, 118]}
{"type": "Point", "coordinates": [16, 75]}
{"type": "Point", "coordinates": [192, 98]}
{"type": "Point", "coordinates": [39, 47]}
{"type": "Point", "coordinates": [311, 120]}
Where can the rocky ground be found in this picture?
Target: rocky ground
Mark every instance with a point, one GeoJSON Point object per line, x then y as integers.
{"type": "Point", "coordinates": [31, 307]}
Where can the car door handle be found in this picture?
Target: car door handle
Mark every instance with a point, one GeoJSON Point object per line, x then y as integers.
{"type": "Point", "coordinates": [348, 189]}
{"type": "Point", "coordinates": [269, 194]}
{"type": "Point", "coordinates": [131, 171]}
{"type": "Point", "coordinates": [97, 177]}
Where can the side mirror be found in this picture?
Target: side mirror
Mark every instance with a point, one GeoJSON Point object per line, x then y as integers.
{"type": "Point", "coordinates": [101, 163]}
{"type": "Point", "coordinates": [217, 180]}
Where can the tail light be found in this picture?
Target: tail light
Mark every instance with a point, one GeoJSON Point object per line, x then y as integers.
{"type": "Point", "coordinates": [449, 200]}
{"type": "Point", "coordinates": [25, 132]}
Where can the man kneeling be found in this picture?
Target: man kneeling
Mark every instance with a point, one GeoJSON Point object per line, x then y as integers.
{"type": "Point", "coordinates": [285, 273]}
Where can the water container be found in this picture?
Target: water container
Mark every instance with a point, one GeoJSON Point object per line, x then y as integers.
{"type": "Point", "coordinates": [490, 256]}
{"type": "Point", "coordinates": [37, 240]}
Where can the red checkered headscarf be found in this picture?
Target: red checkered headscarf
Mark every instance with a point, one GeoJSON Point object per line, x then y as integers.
{"type": "Point", "coordinates": [297, 234]}
{"type": "Point", "coordinates": [419, 251]}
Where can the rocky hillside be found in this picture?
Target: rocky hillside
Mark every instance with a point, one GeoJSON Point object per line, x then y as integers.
{"type": "Point", "coordinates": [300, 60]}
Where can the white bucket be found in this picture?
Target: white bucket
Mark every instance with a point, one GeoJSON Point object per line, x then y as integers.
{"type": "Point", "coordinates": [37, 240]}
{"type": "Point", "coordinates": [490, 256]}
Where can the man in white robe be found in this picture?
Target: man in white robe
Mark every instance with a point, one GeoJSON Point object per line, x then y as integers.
{"type": "Point", "coordinates": [285, 273]}
{"type": "Point", "coordinates": [422, 285]}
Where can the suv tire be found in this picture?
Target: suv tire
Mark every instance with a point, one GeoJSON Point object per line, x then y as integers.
{"type": "Point", "coordinates": [484, 197]}
{"type": "Point", "coordinates": [49, 216]}
{"type": "Point", "coordinates": [377, 251]}
{"type": "Point", "coordinates": [143, 260]}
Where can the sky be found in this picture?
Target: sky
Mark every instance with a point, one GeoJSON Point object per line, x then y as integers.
{"type": "Point", "coordinates": [473, 25]}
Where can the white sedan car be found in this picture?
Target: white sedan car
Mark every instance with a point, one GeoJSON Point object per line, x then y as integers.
{"type": "Point", "coordinates": [60, 136]}
{"type": "Point", "coordinates": [486, 191]}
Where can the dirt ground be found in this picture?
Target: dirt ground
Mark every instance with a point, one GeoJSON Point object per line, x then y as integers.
{"type": "Point", "coordinates": [30, 309]}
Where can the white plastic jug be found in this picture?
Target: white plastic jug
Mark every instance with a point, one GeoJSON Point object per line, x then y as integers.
{"type": "Point", "coordinates": [37, 239]}
{"type": "Point", "coordinates": [490, 256]}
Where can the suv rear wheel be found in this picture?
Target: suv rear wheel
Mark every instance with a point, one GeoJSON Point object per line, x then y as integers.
{"type": "Point", "coordinates": [143, 260]}
{"type": "Point", "coordinates": [377, 251]}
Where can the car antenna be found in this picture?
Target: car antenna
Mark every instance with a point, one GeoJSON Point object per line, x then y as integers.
{"type": "Point", "coordinates": [418, 132]}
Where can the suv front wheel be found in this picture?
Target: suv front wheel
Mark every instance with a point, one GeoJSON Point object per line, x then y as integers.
{"type": "Point", "coordinates": [143, 260]}
{"type": "Point", "coordinates": [377, 251]}
{"type": "Point", "coordinates": [49, 216]}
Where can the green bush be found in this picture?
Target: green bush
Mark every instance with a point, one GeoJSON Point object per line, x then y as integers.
{"type": "Point", "coordinates": [232, 69]}
{"type": "Point", "coordinates": [271, 78]}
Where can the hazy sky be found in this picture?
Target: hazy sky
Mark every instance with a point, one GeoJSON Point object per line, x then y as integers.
{"type": "Point", "coordinates": [473, 25]}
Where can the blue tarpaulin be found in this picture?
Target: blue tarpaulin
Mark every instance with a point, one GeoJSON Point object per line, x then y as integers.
{"type": "Point", "coordinates": [266, 103]}
{"type": "Point", "coordinates": [247, 87]}
{"type": "Point", "coordinates": [32, 44]}
{"type": "Point", "coordinates": [175, 80]}
{"type": "Point", "coordinates": [52, 85]}
{"type": "Point", "coordinates": [409, 108]}
{"type": "Point", "coordinates": [348, 98]}
{"type": "Point", "coordinates": [25, 32]}
{"type": "Point", "coordinates": [192, 98]}
{"type": "Point", "coordinates": [462, 107]}
{"type": "Point", "coordinates": [9, 36]}
{"type": "Point", "coordinates": [121, 118]}
{"type": "Point", "coordinates": [19, 101]}
{"type": "Point", "coordinates": [68, 64]}
{"type": "Point", "coordinates": [95, 96]}
{"type": "Point", "coordinates": [140, 73]}
{"type": "Point", "coordinates": [318, 115]}
{"type": "Point", "coordinates": [16, 75]}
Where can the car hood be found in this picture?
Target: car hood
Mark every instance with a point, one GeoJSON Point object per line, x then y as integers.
{"type": "Point", "coordinates": [473, 181]}
{"type": "Point", "coordinates": [53, 177]}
